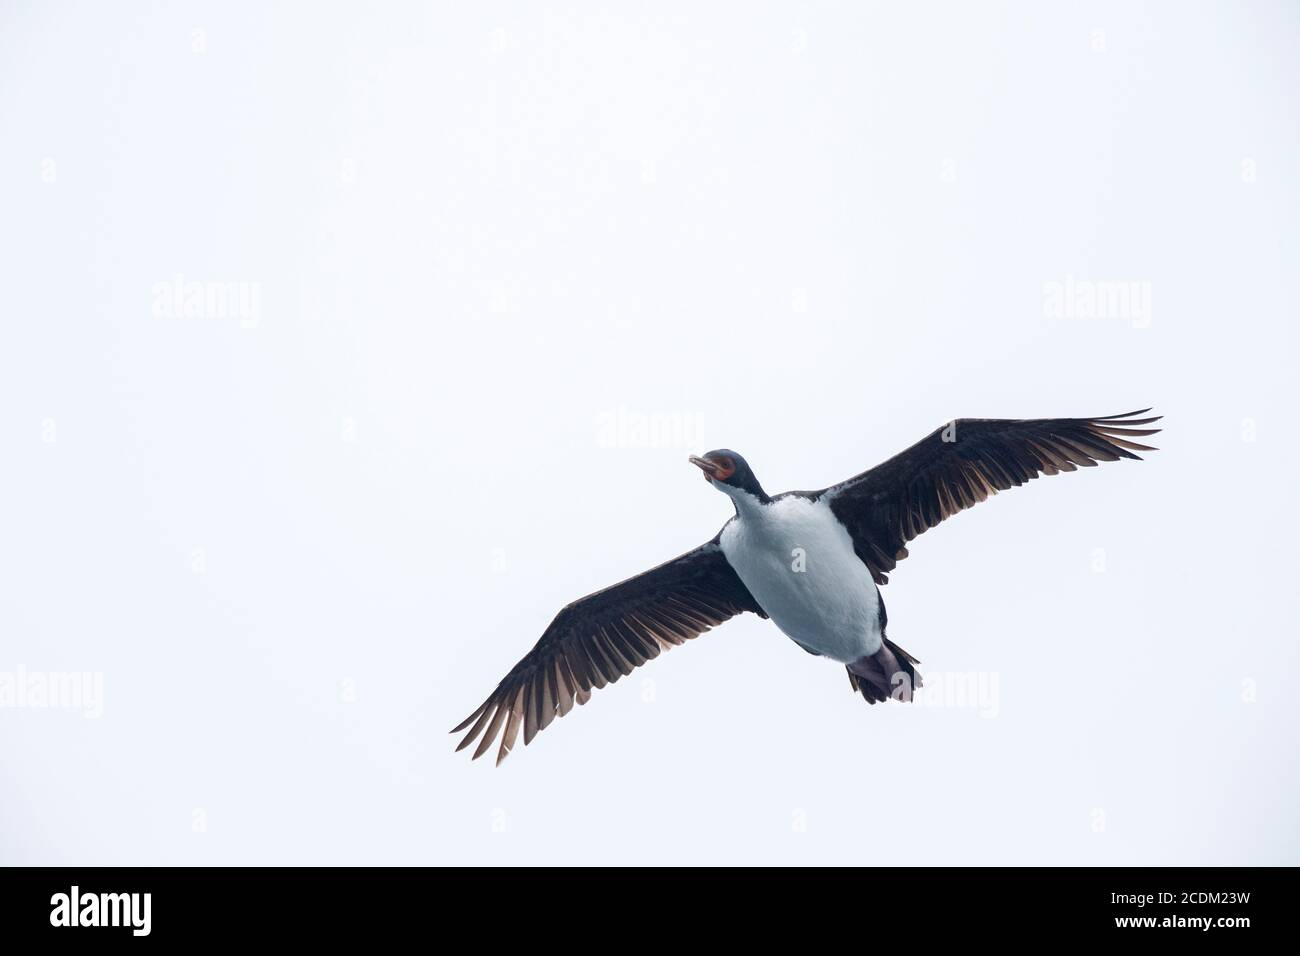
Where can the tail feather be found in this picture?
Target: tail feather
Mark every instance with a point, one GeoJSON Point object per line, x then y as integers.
{"type": "Point", "coordinates": [873, 694]}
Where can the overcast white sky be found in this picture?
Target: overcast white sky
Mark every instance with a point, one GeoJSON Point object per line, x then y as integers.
{"type": "Point", "coordinates": [474, 246]}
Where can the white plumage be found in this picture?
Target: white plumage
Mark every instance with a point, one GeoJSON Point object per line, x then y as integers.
{"type": "Point", "coordinates": [798, 562]}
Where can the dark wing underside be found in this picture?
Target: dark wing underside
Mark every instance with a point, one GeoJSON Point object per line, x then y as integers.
{"type": "Point", "coordinates": [963, 463]}
{"type": "Point", "coordinates": [602, 637]}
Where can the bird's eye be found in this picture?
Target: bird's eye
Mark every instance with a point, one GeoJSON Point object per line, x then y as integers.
{"type": "Point", "coordinates": [726, 468]}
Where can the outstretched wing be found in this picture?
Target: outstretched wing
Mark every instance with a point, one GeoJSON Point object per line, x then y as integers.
{"type": "Point", "coordinates": [962, 463]}
{"type": "Point", "coordinates": [602, 637]}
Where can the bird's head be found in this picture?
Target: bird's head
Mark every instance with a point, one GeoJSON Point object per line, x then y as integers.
{"type": "Point", "coordinates": [729, 473]}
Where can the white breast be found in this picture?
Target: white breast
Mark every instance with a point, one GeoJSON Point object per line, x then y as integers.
{"type": "Point", "coordinates": [798, 562]}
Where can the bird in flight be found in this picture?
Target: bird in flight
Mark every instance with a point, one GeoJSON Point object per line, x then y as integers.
{"type": "Point", "coordinates": [810, 561]}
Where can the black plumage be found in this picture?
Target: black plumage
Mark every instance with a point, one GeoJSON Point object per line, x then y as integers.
{"type": "Point", "coordinates": [602, 637]}
{"type": "Point", "coordinates": [963, 463]}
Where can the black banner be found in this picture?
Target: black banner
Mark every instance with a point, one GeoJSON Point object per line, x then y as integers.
{"type": "Point", "coordinates": [559, 906]}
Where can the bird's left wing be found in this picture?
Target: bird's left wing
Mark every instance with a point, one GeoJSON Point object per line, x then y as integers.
{"type": "Point", "coordinates": [598, 639]}
{"type": "Point", "coordinates": [963, 463]}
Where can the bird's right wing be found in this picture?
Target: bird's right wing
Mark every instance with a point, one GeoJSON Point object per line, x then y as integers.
{"type": "Point", "coordinates": [598, 639]}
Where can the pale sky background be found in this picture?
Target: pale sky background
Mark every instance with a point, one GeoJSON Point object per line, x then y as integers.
{"type": "Point", "coordinates": [298, 547]}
